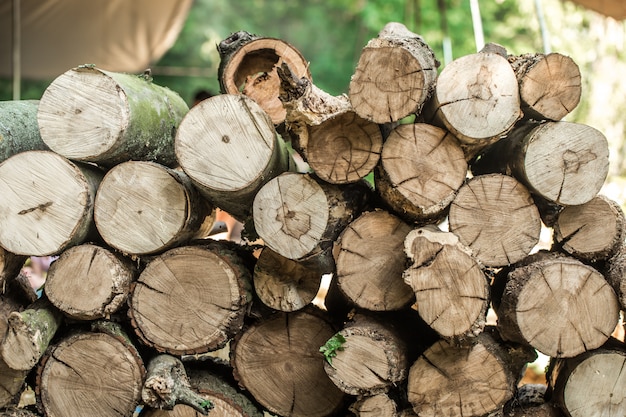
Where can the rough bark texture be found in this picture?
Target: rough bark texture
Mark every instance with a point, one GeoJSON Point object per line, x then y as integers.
{"type": "Point", "coordinates": [19, 131]}
{"type": "Point", "coordinates": [530, 401]}
{"type": "Point", "coordinates": [10, 266]}
{"type": "Point", "coordinates": [43, 214]}
{"type": "Point", "coordinates": [394, 77]}
{"type": "Point", "coordinates": [145, 208]}
{"type": "Point", "coordinates": [88, 114]}
{"type": "Point", "coordinates": [420, 171]}
{"type": "Point", "coordinates": [615, 273]}
{"type": "Point", "coordinates": [12, 382]}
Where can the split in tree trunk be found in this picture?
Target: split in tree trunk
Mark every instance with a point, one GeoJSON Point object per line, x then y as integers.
{"type": "Point", "coordinates": [145, 208]}
{"type": "Point", "coordinates": [89, 282]}
{"type": "Point", "coordinates": [19, 131]}
{"type": "Point", "coordinates": [191, 299]}
{"type": "Point", "coordinates": [278, 362]}
{"type": "Point", "coordinates": [477, 99]}
{"type": "Point", "coordinates": [395, 75]}
{"type": "Point", "coordinates": [369, 262]}
{"type": "Point", "coordinates": [421, 169]}
{"type": "Point", "coordinates": [88, 114]}
{"type": "Point", "coordinates": [549, 85]}
{"type": "Point", "coordinates": [248, 64]}
{"type": "Point", "coordinates": [496, 217]}
{"type": "Point", "coordinates": [29, 333]}
{"type": "Point", "coordinates": [451, 290]}
{"type": "Point", "coordinates": [229, 148]}
{"type": "Point", "coordinates": [592, 231]}
{"type": "Point", "coordinates": [565, 163]}
{"type": "Point", "coordinates": [47, 203]}
{"type": "Point", "coordinates": [556, 304]}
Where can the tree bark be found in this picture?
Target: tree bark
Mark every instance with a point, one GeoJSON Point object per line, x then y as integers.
{"type": "Point", "coordinates": [95, 373]}
{"type": "Point", "coordinates": [563, 162]}
{"type": "Point", "coordinates": [468, 381]}
{"type": "Point", "coordinates": [88, 114]}
{"type": "Point", "coordinates": [593, 231]}
{"type": "Point", "coordinates": [145, 208]}
{"type": "Point", "coordinates": [477, 99]}
{"type": "Point", "coordinates": [89, 282]}
{"type": "Point", "coordinates": [278, 362]}
{"type": "Point", "coordinates": [451, 290]}
{"type": "Point", "coordinates": [211, 281]}
{"type": "Point", "coordinates": [229, 148]}
{"type": "Point", "coordinates": [530, 401]}
{"type": "Point", "coordinates": [340, 146]}
{"type": "Point", "coordinates": [590, 384]}
{"type": "Point", "coordinates": [28, 334]}
{"type": "Point", "coordinates": [12, 383]}
{"type": "Point", "coordinates": [10, 266]}
{"type": "Point", "coordinates": [19, 131]}
{"type": "Point", "coordinates": [372, 359]}
{"type": "Point", "coordinates": [549, 84]}
{"type": "Point", "coordinates": [299, 216]}
{"type": "Point", "coordinates": [394, 77]}
{"type": "Point", "coordinates": [17, 412]}
{"type": "Point", "coordinates": [47, 203]}
{"type": "Point", "coordinates": [248, 64]}
{"type": "Point", "coordinates": [556, 304]}
{"type": "Point", "coordinates": [614, 270]}
{"type": "Point", "coordinates": [420, 171]}
{"type": "Point", "coordinates": [369, 262]}
{"type": "Point", "coordinates": [284, 284]}
{"type": "Point", "coordinates": [496, 217]}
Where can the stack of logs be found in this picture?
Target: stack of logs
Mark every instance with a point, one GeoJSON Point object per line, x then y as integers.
{"type": "Point", "coordinates": [423, 197]}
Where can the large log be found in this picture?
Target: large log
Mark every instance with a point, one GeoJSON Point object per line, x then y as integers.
{"type": "Point", "coordinates": [278, 362]}
{"type": "Point", "coordinates": [394, 77]}
{"type": "Point", "coordinates": [88, 114]}
{"type": "Point", "coordinates": [369, 262]}
{"type": "Point", "coordinates": [19, 131]}
{"type": "Point", "coordinates": [47, 203]}
{"type": "Point", "coordinates": [421, 169]}
{"type": "Point", "coordinates": [248, 64]}
{"type": "Point", "coordinates": [191, 299]}
{"type": "Point", "coordinates": [495, 216]}
{"type": "Point", "coordinates": [556, 304]}
{"type": "Point", "coordinates": [89, 282]}
{"type": "Point", "coordinates": [229, 148]}
{"type": "Point", "coordinates": [145, 208]}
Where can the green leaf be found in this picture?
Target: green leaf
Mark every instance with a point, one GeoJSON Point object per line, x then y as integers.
{"type": "Point", "coordinates": [331, 347]}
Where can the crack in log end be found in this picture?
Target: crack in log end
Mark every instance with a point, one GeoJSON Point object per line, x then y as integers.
{"type": "Point", "coordinates": [41, 207]}
{"type": "Point", "coordinates": [573, 161]}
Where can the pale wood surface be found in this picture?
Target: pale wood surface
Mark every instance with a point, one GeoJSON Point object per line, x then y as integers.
{"type": "Point", "coordinates": [379, 405]}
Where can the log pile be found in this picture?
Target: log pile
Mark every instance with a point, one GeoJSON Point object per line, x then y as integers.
{"type": "Point", "coordinates": [423, 199]}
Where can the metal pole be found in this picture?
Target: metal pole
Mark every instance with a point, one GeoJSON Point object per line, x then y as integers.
{"type": "Point", "coordinates": [17, 50]}
{"type": "Point", "coordinates": [479, 37]}
{"type": "Point", "coordinates": [545, 35]}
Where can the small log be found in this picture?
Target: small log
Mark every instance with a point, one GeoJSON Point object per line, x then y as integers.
{"type": "Point", "coordinates": [590, 384]}
{"type": "Point", "coordinates": [99, 371]}
{"type": "Point", "coordinates": [369, 262]}
{"type": "Point", "coordinates": [420, 171]}
{"type": "Point", "coordinates": [167, 384]}
{"type": "Point", "coordinates": [88, 114]}
{"type": "Point", "coordinates": [284, 284]}
{"type": "Point", "coordinates": [549, 84]}
{"type": "Point", "coordinates": [468, 381]}
{"type": "Point", "coordinates": [248, 64]}
{"type": "Point", "coordinates": [564, 162]}
{"type": "Point", "coordinates": [211, 281]}
{"type": "Point", "coordinates": [556, 304]}
{"type": "Point", "coordinates": [371, 360]}
{"type": "Point", "coordinates": [47, 203]}
{"type": "Point", "coordinates": [278, 362]}
{"type": "Point", "coordinates": [593, 231]}
{"type": "Point", "coordinates": [378, 405]}
{"type": "Point", "coordinates": [299, 216]}
{"type": "Point", "coordinates": [229, 148]}
{"type": "Point", "coordinates": [394, 77]}
{"type": "Point", "coordinates": [338, 145]}
{"type": "Point", "coordinates": [145, 208]}
{"type": "Point", "coordinates": [495, 216]}
{"type": "Point", "coordinates": [89, 282]}
{"type": "Point", "coordinates": [28, 334]}
{"type": "Point", "coordinates": [19, 131]}
{"type": "Point", "coordinates": [451, 290]}
{"type": "Point", "coordinates": [10, 266]}
{"type": "Point", "coordinates": [477, 99]}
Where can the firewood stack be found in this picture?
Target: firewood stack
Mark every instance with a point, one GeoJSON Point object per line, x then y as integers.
{"type": "Point", "coordinates": [119, 178]}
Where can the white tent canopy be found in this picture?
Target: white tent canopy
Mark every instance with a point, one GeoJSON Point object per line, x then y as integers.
{"type": "Point", "coordinates": [41, 39]}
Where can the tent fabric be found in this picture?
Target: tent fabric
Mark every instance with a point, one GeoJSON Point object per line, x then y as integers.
{"type": "Point", "coordinates": [612, 8]}
{"type": "Point", "coordinates": [115, 35]}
